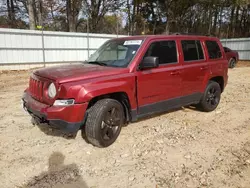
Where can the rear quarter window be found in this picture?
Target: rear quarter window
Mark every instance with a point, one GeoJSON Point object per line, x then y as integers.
{"type": "Point", "coordinates": [213, 49]}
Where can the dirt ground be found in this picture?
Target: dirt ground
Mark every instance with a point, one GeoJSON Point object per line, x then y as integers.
{"type": "Point", "coordinates": [184, 148]}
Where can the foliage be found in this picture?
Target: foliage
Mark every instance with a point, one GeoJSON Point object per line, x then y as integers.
{"type": "Point", "coordinates": [223, 18]}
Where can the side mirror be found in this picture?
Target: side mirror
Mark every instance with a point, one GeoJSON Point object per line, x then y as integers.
{"type": "Point", "coordinates": [149, 63]}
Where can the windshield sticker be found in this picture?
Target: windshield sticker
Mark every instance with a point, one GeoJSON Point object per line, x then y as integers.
{"type": "Point", "coordinates": [132, 42]}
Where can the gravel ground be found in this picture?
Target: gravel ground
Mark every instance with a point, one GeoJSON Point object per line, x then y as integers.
{"type": "Point", "coordinates": [184, 148]}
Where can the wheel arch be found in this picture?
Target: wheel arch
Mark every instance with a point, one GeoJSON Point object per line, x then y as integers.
{"type": "Point", "coordinates": [219, 80]}
{"type": "Point", "coordinates": [122, 97]}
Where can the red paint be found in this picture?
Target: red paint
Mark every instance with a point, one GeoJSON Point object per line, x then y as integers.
{"type": "Point", "coordinates": [232, 54]}
{"type": "Point", "coordinates": [73, 113]}
{"type": "Point", "coordinates": [168, 81]}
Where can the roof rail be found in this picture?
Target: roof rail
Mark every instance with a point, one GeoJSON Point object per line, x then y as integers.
{"type": "Point", "coordinates": [178, 33]}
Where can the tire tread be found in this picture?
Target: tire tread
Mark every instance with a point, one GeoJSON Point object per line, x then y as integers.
{"type": "Point", "coordinates": [94, 113]}
{"type": "Point", "coordinates": [202, 105]}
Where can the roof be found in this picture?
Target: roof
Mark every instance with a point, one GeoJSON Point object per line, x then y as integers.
{"type": "Point", "coordinates": [141, 37]}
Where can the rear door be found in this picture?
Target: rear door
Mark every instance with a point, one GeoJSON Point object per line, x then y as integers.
{"type": "Point", "coordinates": [159, 89]}
{"type": "Point", "coordinates": [195, 70]}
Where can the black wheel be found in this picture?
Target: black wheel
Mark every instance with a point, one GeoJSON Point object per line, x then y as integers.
{"type": "Point", "coordinates": [211, 97]}
{"type": "Point", "coordinates": [232, 63]}
{"type": "Point", "coordinates": [104, 122]}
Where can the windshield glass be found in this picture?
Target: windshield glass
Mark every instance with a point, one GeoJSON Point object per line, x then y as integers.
{"type": "Point", "coordinates": [115, 53]}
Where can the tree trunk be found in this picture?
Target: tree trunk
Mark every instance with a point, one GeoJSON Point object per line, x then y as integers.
{"type": "Point", "coordinates": [220, 23]}
{"type": "Point", "coordinates": [167, 27]}
{"type": "Point", "coordinates": [129, 17]}
{"type": "Point", "coordinates": [70, 16]}
{"type": "Point", "coordinates": [231, 25]}
{"type": "Point", "coordinates": [12, 10]}
{"type": "Point", "coordinates": [8, 9]}
{"type": "Point", "coordinates": [153, 17]}
{"type": "Point", "coordinates": [248, 20]}
{"type": "Point", "coordinates": [209, 20]}
{"type": "Point", "coordinates": [39, 13]}
{"type": "Point", "coordinates": [191, 22]}
{"type": "Point", "coordinates": [133, 18]}
{"type": "Point", "coordinates": [236, 21]}
{"type": "Point", "coordinates": [215, 20]}
{"type": "Point", "coordinates": [31, 15]}
{"type": "Point", "coordinates": [241, 23]}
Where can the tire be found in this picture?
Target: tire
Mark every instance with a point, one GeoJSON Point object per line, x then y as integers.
{"type": "Point", "coordinates": [104, 122]}
{"type": "Point", "coordinates": [232, 63]}
{"type": "Point", "coordinates": [211, 98]}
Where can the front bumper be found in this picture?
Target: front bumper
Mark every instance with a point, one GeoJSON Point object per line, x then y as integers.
{"type": "Point", "coordinates": [68, 119]}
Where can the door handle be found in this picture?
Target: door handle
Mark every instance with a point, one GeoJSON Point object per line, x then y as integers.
{"type": "Point", "coordinates": [204, 68]}
{"type": "Point", "coordinates": [175, 73]}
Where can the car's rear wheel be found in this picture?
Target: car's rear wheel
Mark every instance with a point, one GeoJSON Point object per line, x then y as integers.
{"type": "Point", "coordinates": [232, 63]}
{"type": "Point", "coordinates": [104, 121]}
{"type": "Point", "coordinates": [211, 98]}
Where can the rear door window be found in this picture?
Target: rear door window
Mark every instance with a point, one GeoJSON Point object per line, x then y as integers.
{"type": "Point", "coordinates": [213, 48]}
{"type": "Point", "coordinates": [192, 50]}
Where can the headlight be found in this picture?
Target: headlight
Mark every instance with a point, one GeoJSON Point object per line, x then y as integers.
{"type": "Point", "coordinates": [66, 102]}
{"type": "Point", "coordinates": [52, 90]}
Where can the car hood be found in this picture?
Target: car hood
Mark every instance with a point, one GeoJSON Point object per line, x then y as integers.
{"type": "Point", "coordinates": [75, 72]}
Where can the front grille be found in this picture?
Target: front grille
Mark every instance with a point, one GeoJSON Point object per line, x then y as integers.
{"type": "Point", "coordinates": [36, 89]}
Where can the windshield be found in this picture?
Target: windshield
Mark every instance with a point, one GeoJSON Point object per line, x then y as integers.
{"type": "Point", "coordinates": [115, 53]}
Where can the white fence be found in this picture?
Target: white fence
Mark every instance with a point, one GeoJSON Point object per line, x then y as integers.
{"type": "Point", "coordinates": [19, 47]}
{"type": "Point", "coordinates": [242, 45]}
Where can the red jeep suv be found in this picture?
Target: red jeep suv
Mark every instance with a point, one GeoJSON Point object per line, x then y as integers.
{"type": "Point", "coordinates": [127, 79]}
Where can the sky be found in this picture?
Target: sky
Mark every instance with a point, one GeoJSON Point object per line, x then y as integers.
{"type": "Point", "coordinates": [2, 7]}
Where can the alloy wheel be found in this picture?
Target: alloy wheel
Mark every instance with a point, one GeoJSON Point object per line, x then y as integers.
{"type": "Point", "coordinates": [110, 123]}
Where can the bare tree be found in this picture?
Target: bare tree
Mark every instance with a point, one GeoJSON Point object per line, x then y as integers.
{"type": "Point", "coordinates": [39, 6]}
{"type": "Point", "coordinates": [11, 12]}
{"type": "Point", "coordinates": [73, 8]}
{"type": "Point", "coordinates": [219, 17]}
{"type": "Point", "coordinates": [32, 23]}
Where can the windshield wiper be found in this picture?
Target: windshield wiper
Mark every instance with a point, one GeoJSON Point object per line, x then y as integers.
{"type": "Point", "coordinates": [97, 63]}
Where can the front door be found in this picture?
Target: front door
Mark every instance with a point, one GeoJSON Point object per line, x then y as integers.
{"type": "Point", "coordinates": [159, 89]}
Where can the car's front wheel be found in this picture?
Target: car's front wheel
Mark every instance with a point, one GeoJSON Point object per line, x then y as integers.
{"type": "Point", "coordinates": [211, 98]}
{"type": "Point", "coordinates": [104, 122]}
